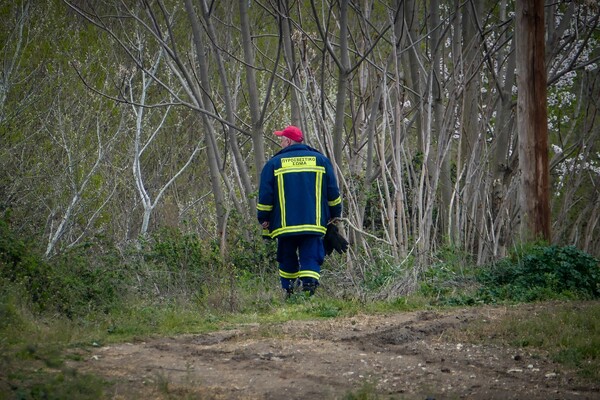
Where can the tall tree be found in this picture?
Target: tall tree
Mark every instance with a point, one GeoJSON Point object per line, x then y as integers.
{"type": "Point", "coordinates": [286, 32]}
{"type": "Point", "coordinates": [228, 104]}
{"type": "Point", "coordinates": [501, 167]}
{"type": "Point", "coordinates": [342, 62]}
{"type": "Point", "coordinates": [532, 120]}
{"type": "Point", "coordinates": [256, 114]}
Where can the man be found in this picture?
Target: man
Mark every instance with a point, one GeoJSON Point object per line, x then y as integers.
{"type": "Point", "coordinates": [298, 197]}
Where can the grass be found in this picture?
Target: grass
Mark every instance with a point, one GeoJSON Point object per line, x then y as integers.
{"type": "Point", "coordinates": [38, 371]}
{"type": "Point", "coordinates": [33, 360]}
{"type": "Point", "coordinates": [568, 332]}
{"type": "Point", "coordinates": [367, 392]}
{"type": "Point", "coordinates": [34, 350]}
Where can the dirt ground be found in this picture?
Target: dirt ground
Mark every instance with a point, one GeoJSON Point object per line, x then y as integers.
{"type": "Point", "coordinates": [412, 355]}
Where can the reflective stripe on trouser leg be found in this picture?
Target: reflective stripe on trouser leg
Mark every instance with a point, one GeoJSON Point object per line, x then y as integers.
{"type": "Point", "coordinates": [287, 279]}
{"type": "Point", "coordinates": [312, 255]}
{"type": "Point", "coordinates": [287, 256]}
{"type": "Point", "coordinates": [309, 274]}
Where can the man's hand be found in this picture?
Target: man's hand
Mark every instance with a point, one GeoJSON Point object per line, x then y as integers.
{"type": "Point", "coordinates": [265, 225]}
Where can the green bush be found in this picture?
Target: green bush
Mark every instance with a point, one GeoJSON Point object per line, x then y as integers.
{"type": "Point", "coordinates": [256, 256]}
{"type": "Point", "coordinates": [85, 280]}
{"type": "Point", "coordinates": [541, 273]}
{"type": "Point", "coordinates": [532, 273]}
{"type": "Point", "coordinates": [451, 278]}
{"type": "Point", "coordinates": [177, 251]}
{"type": "Point", "coordinates": [21, 266]}
{"type": "Point", "coordinates": [173, 264]}
{"type": "Point", "coordinates": [74, 283]}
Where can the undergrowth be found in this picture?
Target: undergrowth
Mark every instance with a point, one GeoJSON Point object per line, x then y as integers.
{"type": "Point", "coordinates": [174, 283]}
{"type": "Point", "coordinates": [535, 272]}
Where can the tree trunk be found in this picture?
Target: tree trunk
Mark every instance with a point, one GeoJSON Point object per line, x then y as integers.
{"type": "Point", "coordinates": [342, 86]}
{"type": "Point", "coordinates": [240, 164]}
{"type": "Point", "coordinates": [502, 200]}
{"type": "Point", "coordinates": [288, 51]}
{"type": "Point", "coordinates": [211, 143]}
{"type": "Point", "coordinates": [471, 132]}
{"type": "Point", "coordinates": [439, 130]}
{"type": "Point", "coordinates": [252, 87]}
{"type": "Point", "coordinates": [532, 123]}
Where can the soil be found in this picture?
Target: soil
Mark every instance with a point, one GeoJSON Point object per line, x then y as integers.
{"type": "Point", "coordinates": [411, 355]}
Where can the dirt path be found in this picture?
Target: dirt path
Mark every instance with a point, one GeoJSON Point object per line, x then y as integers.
{"type": "Point", "coordinates": [401, 356]}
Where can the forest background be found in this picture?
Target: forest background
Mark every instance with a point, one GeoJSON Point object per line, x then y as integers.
{"type": "Point", "coordinates": [464, 134]}
{"type": "Point", "coordinates": [133, 134]}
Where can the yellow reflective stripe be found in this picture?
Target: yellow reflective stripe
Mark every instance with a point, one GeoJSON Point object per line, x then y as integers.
{"type": "Point", "coordinates": [266, 232]}
{"type": "Point", "coordinates": [309, 274]}
{"type": "Point", "coordinates": [281, 189]}
{"type": "Point", "coordinates": [280, 171]}
{"type": "Point", "coordinates": [288, 275]}
{"type": "Point", "coordinates": [334, 202]}
{"type": "Point", "coordinates": [318, 194]}
{"type": "Point", "coordinates": [264, 207]}
{"type": "Point", "coordinates": [299, 228]}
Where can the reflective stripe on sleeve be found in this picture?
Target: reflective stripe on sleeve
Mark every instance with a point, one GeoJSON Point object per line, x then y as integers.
{"type": "Point", "coordinates": [334, 202]}
{"type": "Point", "coordinates": [264, 207]}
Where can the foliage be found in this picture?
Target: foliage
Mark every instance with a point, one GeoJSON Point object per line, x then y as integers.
{"type": "Point", "coordinates": [532, 273]}
{"type": "Point", "coordinates": [256, 257]}
{"type": "Point", "coordinates": [177, 253]}
{"type": "Point", "coordinates": [380, 272]}
{"type": "Point", "coordinates": [370, 274]}
{"type": "Point", "coordinates": [450, 277]}
{"type": "Point", "coordinates": [21, 266]}
{"type": "Point", "coordinates": [540, 273]}
{"type": "Point", "coordinates": [174, 264]}
{"type": "Point", "coordinates": [73, 284]}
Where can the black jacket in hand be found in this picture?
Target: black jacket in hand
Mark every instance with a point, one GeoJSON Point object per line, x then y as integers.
{"type": "Point", "coordinates": [333, 240]}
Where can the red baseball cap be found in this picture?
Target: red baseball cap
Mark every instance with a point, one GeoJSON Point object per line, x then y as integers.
{"type": "Point", "coordinates": [291, 132]}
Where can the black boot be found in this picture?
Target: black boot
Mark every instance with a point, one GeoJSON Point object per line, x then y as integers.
{"type": "Point", "coordinates": [288, 293]}
{"type": "Point", "coordinates": [309, 288]}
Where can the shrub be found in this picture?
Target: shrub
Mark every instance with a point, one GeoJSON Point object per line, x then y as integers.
{"type": "Point", "coordinates": [177, 251]}
{"type": "Point", "coordinates": [450, 277]}
{"type": "Point", "coordinates": [74, 283]}
{"type": "Point", "coordinates": [256, 256]}
{"type": "Point", "coordinates": [22, 267]}
{"type": "Point", "coordinates": [173, 264]}
{"type": "Point", "coordinates": [541, 273]}
{"type": "Point", "coordinates": [84, 279]}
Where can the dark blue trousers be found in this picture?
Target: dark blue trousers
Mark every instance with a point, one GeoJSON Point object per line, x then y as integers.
{"type": "Point", "coordinates": [300, 257]}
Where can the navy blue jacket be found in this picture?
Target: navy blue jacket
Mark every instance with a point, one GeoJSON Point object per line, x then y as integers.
{"type": "Point", "coordinates": [298, 192]}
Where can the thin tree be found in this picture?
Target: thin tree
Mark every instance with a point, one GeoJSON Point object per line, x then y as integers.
{"type": "Point", "coordinates": [81, 165]}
